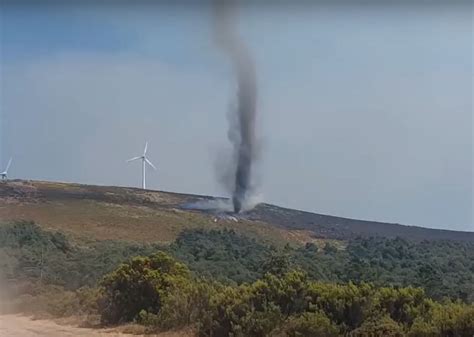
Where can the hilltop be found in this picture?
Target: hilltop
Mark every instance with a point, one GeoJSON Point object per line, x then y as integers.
{"type": "Point", "coordinates": [130, 214]}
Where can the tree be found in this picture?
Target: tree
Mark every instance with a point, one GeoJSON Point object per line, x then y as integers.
{"type": "Point", "coordinates": [278, 263]}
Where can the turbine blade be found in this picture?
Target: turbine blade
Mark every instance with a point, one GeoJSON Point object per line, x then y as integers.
{"type": "Point", "coordinates": [8, 165]}
{"type": "Point", "coordinates": [146, 148]}
{"type": "Point", "coordinates": [133, 159]}
{"type": "Point", "coordinates": [150, 163]}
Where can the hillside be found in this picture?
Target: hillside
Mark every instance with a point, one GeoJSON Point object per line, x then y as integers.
{"type": "Point", "coordinates": [151, 216]}
{"type": "Point", "coordinates": [219, 283]}
{"type": "Point", "coordinates": [157, 261]}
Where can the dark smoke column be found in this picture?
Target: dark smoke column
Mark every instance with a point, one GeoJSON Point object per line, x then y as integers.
{"type": "Point", "coordinates": [244, 146]}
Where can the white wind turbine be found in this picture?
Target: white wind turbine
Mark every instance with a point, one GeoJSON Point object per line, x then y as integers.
{"type": "Point", "coordinates": [4, 174]}
{"type": "Point", "coordinates": [145, 161]}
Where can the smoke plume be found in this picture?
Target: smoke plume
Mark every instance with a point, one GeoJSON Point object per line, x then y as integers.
{"type": "Point", "coordinates": [242, 127]}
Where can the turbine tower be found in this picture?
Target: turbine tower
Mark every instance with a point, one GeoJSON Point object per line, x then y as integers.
{"type": "Point", "coordinates": [145, 161]}
{"type": "Point", "coordinates": [4, 174]}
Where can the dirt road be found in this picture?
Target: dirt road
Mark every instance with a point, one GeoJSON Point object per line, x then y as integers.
{"type": "Point", "coordinates": [21, 326]}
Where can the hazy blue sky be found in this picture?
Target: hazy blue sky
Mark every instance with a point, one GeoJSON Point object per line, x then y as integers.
{"type": "Point", "coordinates": [364, 111]}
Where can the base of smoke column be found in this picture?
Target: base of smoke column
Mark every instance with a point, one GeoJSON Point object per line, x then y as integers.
{"type": "Point", "coordinates": [223, 206]}
{"type": "Point", "coordinates": [237, 204]}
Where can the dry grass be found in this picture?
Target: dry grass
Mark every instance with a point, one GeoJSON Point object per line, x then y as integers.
{"type": "Point", "coordinates": [127, 214]}
{"type": "Point", "coordinates": [302, 237]}
{"type": "Point", "coordinates": [111, 213]}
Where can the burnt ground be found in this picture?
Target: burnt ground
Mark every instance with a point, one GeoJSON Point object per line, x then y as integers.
{"type": "Point", "coordinates": [318, 225]}
{"type": "Point", "coordinates": [327, 226]}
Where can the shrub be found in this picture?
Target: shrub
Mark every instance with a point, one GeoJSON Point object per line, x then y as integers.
{"type": "Point", "coordinates": [346, 305]}
{"type": "Point", "coordinates": [139, 285]}
{"type": "Point", "coordinates": [454, 319]}
{"type": "Point", "coordinates": [314, 324]}
{"type": "Point", "coordinates": [186, 304]}
{"type": "Point", "coordinates": [402, 304]}
{"type": "Point", "coordinates": [242, 311]}
{"type": "Point", "coordinates": [380, 327]}
{"type": "Point", "coordinates": [421, 328]}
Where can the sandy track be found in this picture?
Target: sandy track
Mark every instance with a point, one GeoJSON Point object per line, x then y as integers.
{"type": "Point", "coordinates": [21, 326]}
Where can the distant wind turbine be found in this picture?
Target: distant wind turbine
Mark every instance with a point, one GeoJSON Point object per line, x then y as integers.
{"type": "Point", "coordinates": [145, 161]}
{"type": "Point", "coordinates": [4, 174]}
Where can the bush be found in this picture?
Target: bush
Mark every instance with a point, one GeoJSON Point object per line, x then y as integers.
{"type": "Point", "coordinates": [139, 285]}
{"type": "Point", "coordinates": [346, 305]}
{"type": "Point", "coordinates": [186, 304]}
{"type": "Point", "coordinates": [242, 311]}
{"type": "Point", "coordinates": [421, 328]}
{"type": "Point", "coordinates": [256, 309]}
{"type": "Point", "coordinates": [454, 319]}
{"type": "Point", "coordinates": [381, 327]}
{"type": "Point", "coordinates": [314, 324]}
{"type": "Point", "coordinates": [402, 304]}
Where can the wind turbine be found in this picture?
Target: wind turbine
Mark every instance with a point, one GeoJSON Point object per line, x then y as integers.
{"type": "Point", "coordinates": [145, 161]}
{"type": "Point", "coordinates": [4, 174]}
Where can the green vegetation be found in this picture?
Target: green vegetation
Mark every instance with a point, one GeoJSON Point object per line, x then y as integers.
{"type": "Point", "coordinates": [140, 285]}
{"type": "Point", "coordinates": [226, 284]}
{"type": "Point", "coordinates": [162, 293]}
{"type": "Point", "coordinates": [444, 269]}
{"type": "Point", "coordinates": [30, 253]}
{"type": "Point", "coordinates": [221, 255]}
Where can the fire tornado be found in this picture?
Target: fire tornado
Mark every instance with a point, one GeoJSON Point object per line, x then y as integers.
{"type": "Point", "coordinates": [244, 150]}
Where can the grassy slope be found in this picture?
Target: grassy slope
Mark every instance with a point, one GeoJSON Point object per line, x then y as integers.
{"type": "Point", "coordinates": [121, 213]}
{"type": "Point", "coordinates": [131, 214]}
